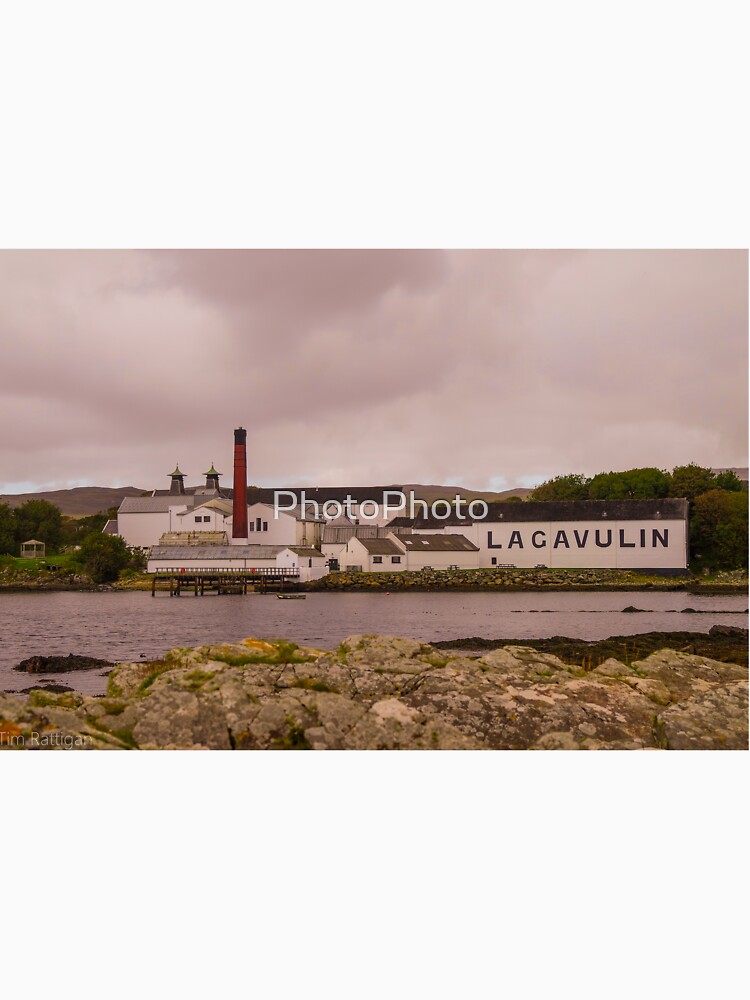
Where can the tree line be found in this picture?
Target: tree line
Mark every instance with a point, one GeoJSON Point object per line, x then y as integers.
{"type": "Point", "coordinates": [101, 556]}
{"type": "Point", "coordinates": [718, 505]}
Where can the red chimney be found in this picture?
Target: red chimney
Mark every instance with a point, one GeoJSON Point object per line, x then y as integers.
{"type": "Point", "coordinates": [239, 507]}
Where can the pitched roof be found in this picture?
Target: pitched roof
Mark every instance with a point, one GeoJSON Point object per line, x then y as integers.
{"type": "Point", "coordinates": [110, 527]}
{"type": "Point", "coordinates": [438, 543]}
{"type": "Point", "coordinates": [306, 550]}
{"type": "Point", "coordinates": [381, 546]}
{"type": "Point", "coordinates": [215, 503]}
{"type": "Point", "coordinates": [339, 534]}
{"type": "Point", "coordinates": [154, 505]}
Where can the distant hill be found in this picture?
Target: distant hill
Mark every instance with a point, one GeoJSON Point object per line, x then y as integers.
{"type": "Point", "coordinates": [83, 500]}
{"type": "Point", "coordinates": [79, 501]}
{"type": "Point", "coordinates": [430, 493]}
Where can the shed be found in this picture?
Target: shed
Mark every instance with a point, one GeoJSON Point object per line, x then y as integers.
{"type": "Point", "coordinates": [33, 549]}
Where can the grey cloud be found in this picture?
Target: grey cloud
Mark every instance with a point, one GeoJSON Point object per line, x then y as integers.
{"type": "Point", "coordinates": [357, 366]}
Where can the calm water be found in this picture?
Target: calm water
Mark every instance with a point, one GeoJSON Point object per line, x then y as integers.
{"type": "Point", "coordinates": [125, 626]}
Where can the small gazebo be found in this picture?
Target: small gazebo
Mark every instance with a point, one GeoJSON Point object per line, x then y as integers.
{"type": "Point", "coordinates": [32, 549]}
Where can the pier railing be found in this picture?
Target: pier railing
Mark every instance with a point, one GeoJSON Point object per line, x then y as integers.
{"type": "Point", "coordinates": [229, 571]}
{"type": "Point", "coordinates": [224, 581]}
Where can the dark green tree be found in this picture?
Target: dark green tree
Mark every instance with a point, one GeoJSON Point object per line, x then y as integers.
{"type": "Point", "coordinates": [39, 519]}
{"type": "Point", "coordinates": [728, 481]}
{"type": "Point", "coordinates": [718, 530]}
{"type": "Point", "coordinates": [75, 529]}
{"type": "Point", "coordinates": [572, 487]}
{"type": "Point", "coordinates": [103, 556]}
{"type": "Point", "coordinates": [690, 481]}
{"type": "Point", "coordinates": [8, 543]}
{"type": "Point", "coordinates": [633, 484]}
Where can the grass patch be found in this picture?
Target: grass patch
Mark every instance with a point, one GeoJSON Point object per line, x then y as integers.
{"type": "Point", "coordinates": [314, 684]}
{"type": "Point", "coordinates": [159, 669]}
{"type": "Point", "coordinates": [112, 706]}
{"type": "Point", "coordinates": [126, 737]}
{"type": "Point", "coordinates": [285, 652]}
{"type": "Point", "coordinates": [195, 680]}
{"type": "Point", "coordinates": [238, 659]}
{"type": "Point", "coordinates": [48, 699]}
{"type": "Point", "coordinates": [294, 738]}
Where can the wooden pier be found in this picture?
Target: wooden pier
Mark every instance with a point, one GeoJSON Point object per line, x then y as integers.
{"type": "Point", "coordinates": [225, 581]}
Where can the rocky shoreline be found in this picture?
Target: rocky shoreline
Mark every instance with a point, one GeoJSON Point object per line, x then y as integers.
{"type": "Point", "coordinates": [735, 582]}
{"type": "Point", "coordinates": [386, 692]}
{"type": "Point", "coordinates": [515, 580]}
{"type": "Point", "coordinates": [722, 642]}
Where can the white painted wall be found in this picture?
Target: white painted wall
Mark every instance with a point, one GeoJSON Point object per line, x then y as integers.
{"type": "Point", "coordinates": [355, 554]}
{"type": "Point", "coordinates": [310, 567]}
{"type": "Point", "coordinates": [282, 530]}
{"type": "Point", "coordinates": [217, 520]}
{"type": "Point", "coordinates": [632, 543]}
{"type": "Point", "coordinates": [145, 529]}
{"type": "Point", "coordinates": [417, 558]}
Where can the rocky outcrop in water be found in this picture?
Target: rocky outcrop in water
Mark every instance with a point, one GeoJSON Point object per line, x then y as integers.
{"type": "Point", "coordinates": [382, 692]}
{"type": "Point", "coordinates": [61, 664]}
{"type": "Point", "coordinates": [722, 642]}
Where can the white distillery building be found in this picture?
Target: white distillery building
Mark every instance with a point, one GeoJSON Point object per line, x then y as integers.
{"type": "Point", "coordinates": [237, 526]}
{"type": "Point", "coordinates": [336, 534]}
{"type": "Point", "coordinates": [309, 563]}
{"type": "Point", "coordinates": [143, 521]}
{"type": "Point", "coordinates": [409, 552]}
{"type": "Point", "coordinates": [596, 534]}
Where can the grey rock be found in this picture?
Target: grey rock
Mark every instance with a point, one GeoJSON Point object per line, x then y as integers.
{"type": "Point", "coordinates": [386, 692]}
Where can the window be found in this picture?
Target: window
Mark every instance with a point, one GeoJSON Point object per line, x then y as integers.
{"type": "Point", "coordinates": [198, 519]}
{"type": "Point", "coordinates": [395, 559]}
{"type": "Point", "coordinates": [265, 525]}
{"type": "Point", "coordinates": [251, 526]}
{"type": "Point", "coordinates": [257, 523]}
{"type": "Point", "coordinates": [494, 560]}
{"type": "Point", "coordinates": [377, 559]}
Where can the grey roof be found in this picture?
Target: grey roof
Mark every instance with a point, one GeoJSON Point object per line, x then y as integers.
{"type": "Point", "coordinates": [334, 533]}
{"type": "Point", "coordinates": [196, 553]}
{"type": "Point", "coordinates": [154, 505]}
{"type": "Point", "coordinates": [667, 508]}
{"type": "Point", "coordinates": [305, 550]}
{"type": "Point", "coordinates": [381, 546]}
{"type": "Point", "coordinates": [110, 528]}
{"type": "Point", "coordinates": [438, 543]}
{"type": "Point", "coordinates": [214, 503]}
{"type": "Point", "coordinates": [295, 512]}
{"type": "Point", "coordinates": [400, 522]}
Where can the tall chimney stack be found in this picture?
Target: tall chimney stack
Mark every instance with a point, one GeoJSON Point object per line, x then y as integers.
{"type": "Point", "coordinates": [239, 505]}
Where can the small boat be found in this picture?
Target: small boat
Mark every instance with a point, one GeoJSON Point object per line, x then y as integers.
{"type": "Point", "coordinates": [291, 597]}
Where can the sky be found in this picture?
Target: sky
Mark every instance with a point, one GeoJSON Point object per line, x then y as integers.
{"type": "Point", "coordinates": [485, 369]}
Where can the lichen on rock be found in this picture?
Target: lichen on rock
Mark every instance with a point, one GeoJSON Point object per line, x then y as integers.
{"type": "Point", "coordinates": [390, 693]}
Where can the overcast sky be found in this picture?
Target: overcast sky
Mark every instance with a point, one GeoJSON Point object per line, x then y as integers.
{"type": "Point", "coordinates": [488, 369]}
